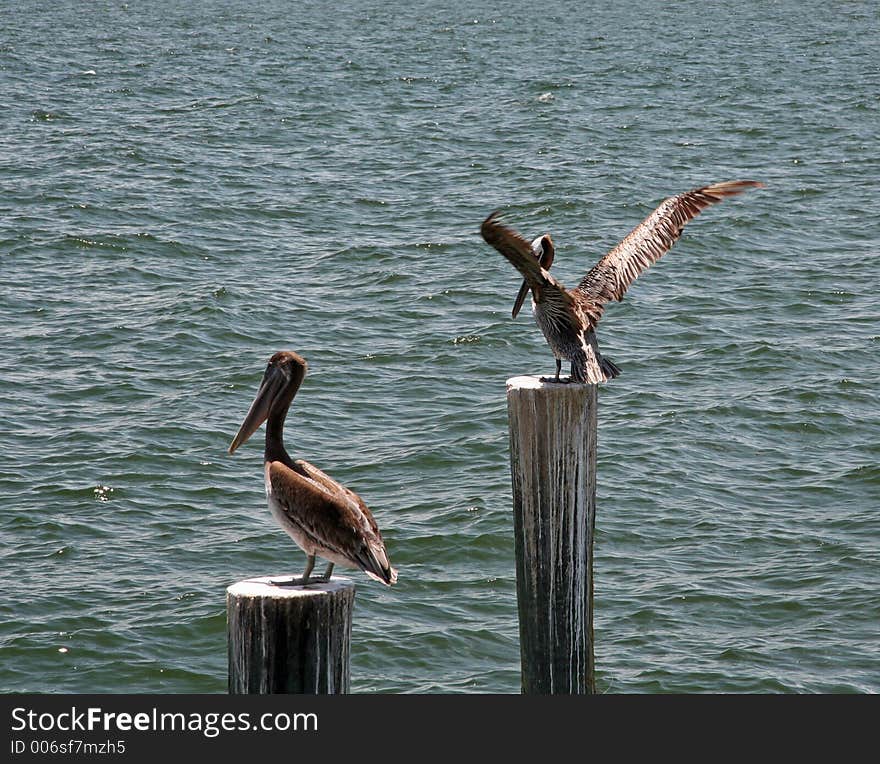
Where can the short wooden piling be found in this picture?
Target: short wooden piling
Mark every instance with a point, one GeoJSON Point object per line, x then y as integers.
{"type": "Point", "coordinates": [289, 639]}
{"type": "Point", "coordinates": [553, 467]}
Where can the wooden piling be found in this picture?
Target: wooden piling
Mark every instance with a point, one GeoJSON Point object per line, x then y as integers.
{"type": "Point", "coordinates": [553, 467]}
{"type": "Point", "coordinates": [289, 639]}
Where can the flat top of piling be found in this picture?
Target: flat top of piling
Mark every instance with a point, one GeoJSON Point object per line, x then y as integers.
{"type": "Point", "coordinates": [284, 585]}
{"type": "Point", "coordinates": [535, 382]}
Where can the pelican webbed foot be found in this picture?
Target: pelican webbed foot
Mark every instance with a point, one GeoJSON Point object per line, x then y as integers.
{"type": "Point", "coordinates": [292, 581]}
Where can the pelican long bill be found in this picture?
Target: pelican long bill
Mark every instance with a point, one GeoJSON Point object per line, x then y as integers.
{"type": "Point", "coordinates": [520, 298]}
{"type": "Point", "coordinates": [273, 380]}
{"type": "Point", "coordinates": [544, 252]}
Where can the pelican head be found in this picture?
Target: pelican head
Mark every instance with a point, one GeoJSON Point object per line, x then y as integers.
{"type": "Point", "coordinates": [282, 379]}
{"type": "Point", "coordinates": [543, 250]}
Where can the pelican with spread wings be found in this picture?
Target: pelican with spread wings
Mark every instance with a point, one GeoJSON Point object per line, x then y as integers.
{"type": "Point", "coordinates": [568, 317]}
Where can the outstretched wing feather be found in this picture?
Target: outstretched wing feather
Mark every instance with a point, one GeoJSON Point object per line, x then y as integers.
{"type": "Point", "coordinates": [651, 239]}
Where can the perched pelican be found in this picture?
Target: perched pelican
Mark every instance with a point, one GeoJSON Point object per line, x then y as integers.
{"type": "Point", "coordinates": [568, 317]}
{"type": "Point", "coordinates": [324, 518]}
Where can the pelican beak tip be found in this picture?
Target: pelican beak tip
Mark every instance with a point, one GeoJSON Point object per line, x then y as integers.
{"type": "Point", "coordinates": [520, 299]}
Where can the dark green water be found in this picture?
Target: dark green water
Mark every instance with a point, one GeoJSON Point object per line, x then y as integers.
{"type": "Point", "coordinates": [189, 187]}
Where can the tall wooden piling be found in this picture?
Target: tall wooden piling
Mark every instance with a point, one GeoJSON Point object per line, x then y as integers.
{"type": "Point", "coordinates": [553, 467]}
{"type": "Point", "coordinates": [289, 639]}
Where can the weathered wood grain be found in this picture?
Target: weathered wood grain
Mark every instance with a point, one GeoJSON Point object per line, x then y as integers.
{"type": "Point", "coordinates": [289, 639]}
{"type": "Point", "coordinates": [553, 469]}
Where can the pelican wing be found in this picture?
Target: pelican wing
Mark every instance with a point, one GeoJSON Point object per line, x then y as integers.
{"type": "Point", "coordinates": [339, 491]}
{"type": "Point", "coordinates": [332, 515]}
{"type": "Point", "coordinates": [651, 239]}
{"type": "Point", "coordinates": [518, 251]}
{"type": "Point", "coordinates": [318, 512]}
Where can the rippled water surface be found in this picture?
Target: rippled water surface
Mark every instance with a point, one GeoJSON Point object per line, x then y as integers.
{"type": "Point", "coordinates": [189, 187]}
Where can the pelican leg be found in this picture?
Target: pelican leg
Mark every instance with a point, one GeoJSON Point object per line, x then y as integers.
{"type": "Point", "coordinates": [310, 564]}
{"type": "Point", "coordinates": [327, 573]}
{"type": "Point", "coordinates": [556, 378]}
